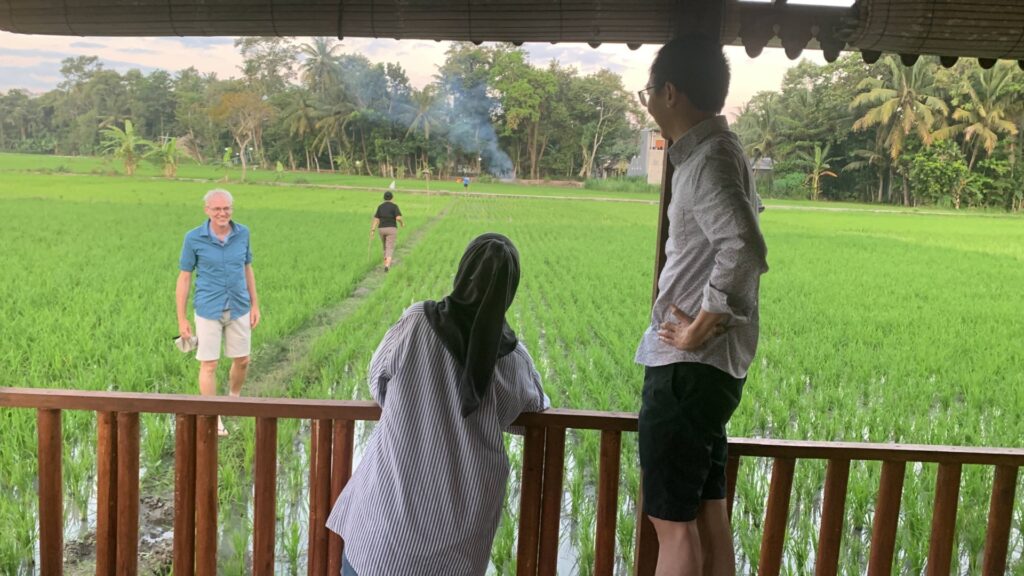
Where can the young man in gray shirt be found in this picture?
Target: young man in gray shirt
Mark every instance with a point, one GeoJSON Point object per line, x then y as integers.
{"type": "Point", "coordinates": [704, 323]}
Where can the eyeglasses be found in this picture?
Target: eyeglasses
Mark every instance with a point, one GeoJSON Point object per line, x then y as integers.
{"type": "Point", "coordinates": [225, 209]}
{"type": "Point", "coordinates": [643, 94]}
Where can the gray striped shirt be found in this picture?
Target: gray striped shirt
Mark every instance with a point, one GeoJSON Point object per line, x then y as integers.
{"type": "Point", "coordinates": [715, 253]}
{"type": "Point", "coordinates": [427, 496]}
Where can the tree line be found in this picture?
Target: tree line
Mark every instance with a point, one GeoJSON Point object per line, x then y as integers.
{"type": "Point", "coordinates": [889, 133]}
{"type": "Point", "coordinates": [309, 106]}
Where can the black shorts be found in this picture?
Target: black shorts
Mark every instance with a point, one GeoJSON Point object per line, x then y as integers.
{"type": "Point", "coordinates": [683, 447]}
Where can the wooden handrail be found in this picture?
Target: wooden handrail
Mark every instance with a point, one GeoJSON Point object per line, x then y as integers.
{"type": "Point", "coordinates": [556, 417]}
{"type": "Point", "coordinates": [195, 542]}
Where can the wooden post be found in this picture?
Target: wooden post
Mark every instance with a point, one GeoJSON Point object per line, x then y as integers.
{"type": "Point", "coordinates": [947, 494]}
{"type": "Point", "coordinates": [206, 496]}
{"type": "Point", "coordinates": [51, 493]}
{"type": "Point", "coordinates": [127, 493]}
{"type": "Point", "coordinates": [1000, 517]}
{"type": "Point", "coordinates": [185, 495]}
{"type": "Point", "coordinates": [106, 493]}
{"type": "Point", "coordinates": [833, 506]}
{"type": "Point", "coordinates": [887, 515]}
{"type": "Point", "coordinates": [607, 502]}
{"type": "Point", "coordinates": [319, 496]}
{"type": "Point", "coordinates": [551, 512]}
{"type": "Point", "coordinates": [530, 502]}
{"type": "Point", "coordinates": [732, 471]}
{"type": "Point", "coordinates": [341, 471]}
{"type": "Point", "coordinates": [265, 497]}
{"type": "Point", "coordinates": [775, 516]}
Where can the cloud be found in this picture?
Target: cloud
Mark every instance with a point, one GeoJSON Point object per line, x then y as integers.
{"type": "Point", "coordinates": [36, 78]}
{"type": "Point", "coordinates": [138, 51]}
{"type": "Point", "coordinates": [204, 42]}
{"type": "Point", "coordinates": [86, 45]}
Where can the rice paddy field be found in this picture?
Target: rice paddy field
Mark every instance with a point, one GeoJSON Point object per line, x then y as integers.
{"type": "Point", "coordinates": [876, 326]}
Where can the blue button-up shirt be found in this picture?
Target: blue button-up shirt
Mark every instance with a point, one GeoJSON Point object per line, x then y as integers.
{"type": "Point", "coordinates": [219, 268]}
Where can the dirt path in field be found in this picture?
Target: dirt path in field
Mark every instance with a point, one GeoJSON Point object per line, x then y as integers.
{"type": "Point", "coordinates": [274, 366]}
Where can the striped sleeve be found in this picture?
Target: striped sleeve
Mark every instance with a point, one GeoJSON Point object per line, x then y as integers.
{"type": "Point", "coordinates": [528, 392]}
{"type": "Point", "coordinates": [382, 364]}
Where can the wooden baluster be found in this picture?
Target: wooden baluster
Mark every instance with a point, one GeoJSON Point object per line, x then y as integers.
{"type": "Point", "coordinates": [530, 501]}
{"type": "Point", "coordinates": [319, 496]}
{"type": "Point", "coordinates": [127, 493]}
{"type": "Point", "coordinates": [645, 555]}
{"type": "Point", "coordinates": [185, 495]}
{"type": "Point", "coordinates": [341, 471]}
{"type": "Point", "coordinates": [106, 494]}
{"type": "Point", "coordinates": [206, 496]}
{"type": "Point", "coordinates": [833, 507]}
{"type": "Point", "coordinates": [551, 513]}
{"type": "Point", "coordinates": [732, 471]}
{"type": "Point", "coordinates": [887, 515]}
{"type": "Point", "coordinates": [607, 502]}
{"type": "Point", "coordinates": [775, 516]}
{"type": "Point", "coordinates": [1000, 517]}
{"type": "Point", "coordinates": [265, 497]}
{"type": "Point", "coordinates": [51, 493]}
{"type": "Point", "coordinates": [947, 494]}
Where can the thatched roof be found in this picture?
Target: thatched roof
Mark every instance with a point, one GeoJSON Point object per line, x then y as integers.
{"type": "Point", "coordinates": [985, 29]}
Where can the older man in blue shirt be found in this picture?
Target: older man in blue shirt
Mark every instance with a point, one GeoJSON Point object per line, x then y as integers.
{"type": "Point", "coordinates": [226, 306]}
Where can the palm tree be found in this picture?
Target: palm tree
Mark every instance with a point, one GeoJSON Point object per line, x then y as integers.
{"type": "Point", "coordinates": [167, 156]}
{"type": "Point", "coordinates": [126, 145]}
{"type": "Point", "coordinates": [904, 101]}
{"type": "Point", "coordinates": [759, 129]}
{"type": "Point", "coordinates": [818, 167]}
{"type": "Point", "coordinates": [871, 158]}
{"type": "Point", "coordinates": [424, 116]}
{"type": "Point", "coordinates": [988, 111]}
{"type": "Point", "coordinates": [320, 69]}
{"type": "Point", "coordinates": [332, 125]}
{"type": "Point", "coordinates": [301, 117]}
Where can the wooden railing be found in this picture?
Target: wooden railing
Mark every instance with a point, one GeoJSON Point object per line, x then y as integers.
{"type": "Point", "coordinates": [195, 510]}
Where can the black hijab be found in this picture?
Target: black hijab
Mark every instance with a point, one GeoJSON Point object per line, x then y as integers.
{"type": "Point", "coordinates": [471, 320]}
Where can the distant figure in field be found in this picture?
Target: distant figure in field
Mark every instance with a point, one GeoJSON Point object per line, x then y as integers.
{"type": "Point", "coordinates": [387, 218]}
{"type": "Point", "coordinates": [226, 305]}
{"type": "Point", "coordinates": [704, 323]}
{"type": "Point", "coordinates": [465, 182]}
{"type": "Point", "coordinates": [450, 377]}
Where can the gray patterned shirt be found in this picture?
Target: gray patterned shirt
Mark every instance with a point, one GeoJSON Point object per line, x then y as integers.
{"type": "Point", "coordinates": [426, 498]}
{"type": "Point", "coordinates": [715, 253]}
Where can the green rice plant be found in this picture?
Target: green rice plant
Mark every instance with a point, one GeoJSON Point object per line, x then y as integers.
{"type": "Point", "coordinates": [503, 552]}
{"type": "Point", "coordinates": [292, 545]}
{"type": "Point", "coordinates": [585, 529]}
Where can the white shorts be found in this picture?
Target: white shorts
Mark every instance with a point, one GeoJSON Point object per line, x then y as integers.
{"type": "Point", "coordinates": [237, 336]}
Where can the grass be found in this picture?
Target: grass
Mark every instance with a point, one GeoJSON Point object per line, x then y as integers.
{"type": "Point", "coordinates": [876, 326]}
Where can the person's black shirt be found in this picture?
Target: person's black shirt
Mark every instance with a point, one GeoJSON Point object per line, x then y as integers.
{"type": "Point", "coordinates": [387, 214]}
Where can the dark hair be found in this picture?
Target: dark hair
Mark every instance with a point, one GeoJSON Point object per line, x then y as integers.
{"type": "Point", "coordinates": [697, 67]}
{"type": "Point", "coordinates": [388, 195]}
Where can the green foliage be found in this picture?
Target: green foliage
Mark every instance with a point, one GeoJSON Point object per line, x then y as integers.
{"type": "Point", "coordinates": [126, 145]}
{"type": "Point", "coordinates": [792, 185]}
{"type": "Point", "coordinates": [636, 184]}
{"type": "Point", "coordinates": [940, 174]}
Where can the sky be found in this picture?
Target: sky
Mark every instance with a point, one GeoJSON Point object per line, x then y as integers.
{"type": "Point", "coordinates": [32, 62]}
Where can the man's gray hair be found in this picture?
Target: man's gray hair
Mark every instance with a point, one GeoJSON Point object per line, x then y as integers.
{"type": "Point", "coordinates": [218, 192]}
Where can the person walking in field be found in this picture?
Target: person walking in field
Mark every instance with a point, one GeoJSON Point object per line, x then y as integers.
{"type": "Point", "coordinates": [704, 323]}
{"type": "Point", "coordinates": [225, 302]}
{"type": "Point", "coordinates": [450, 377]}
{"type": "Point", "coordinates": [386, 220]}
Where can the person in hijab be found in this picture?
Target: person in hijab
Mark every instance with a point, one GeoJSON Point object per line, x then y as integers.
{"type": "Point", "coordinates": [450, 377]}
